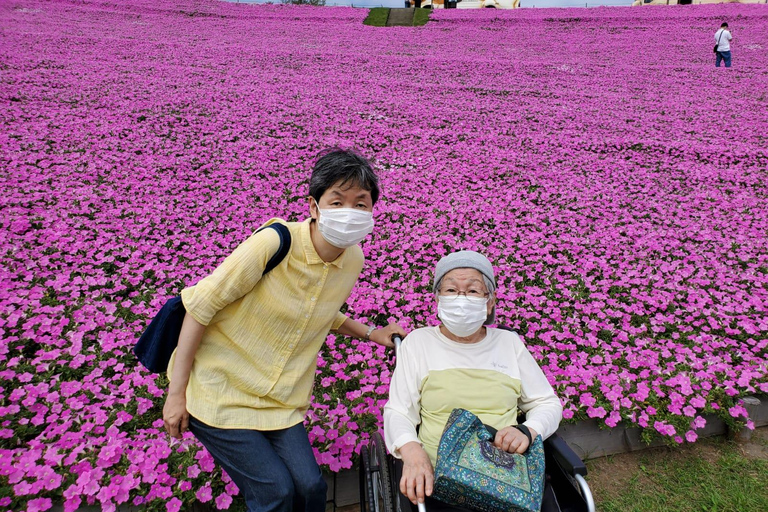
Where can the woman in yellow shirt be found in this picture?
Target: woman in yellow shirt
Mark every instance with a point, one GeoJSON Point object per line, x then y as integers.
{"type": "Point", "coordinates": [242, 374]}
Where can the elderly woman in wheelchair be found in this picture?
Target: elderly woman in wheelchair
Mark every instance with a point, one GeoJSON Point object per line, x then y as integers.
{"type": "Point", "coordinates": [460, 364]}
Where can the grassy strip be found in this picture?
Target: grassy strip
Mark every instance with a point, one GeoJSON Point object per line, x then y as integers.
{"type": "Point", "coordinates": [421, 17]}
{"type": "Point", "coordinates": [377, 17]}
{"type": "Point", "coordinates": [712, 475]}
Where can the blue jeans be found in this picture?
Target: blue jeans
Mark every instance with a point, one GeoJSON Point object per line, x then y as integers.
{"type": "Point", "coordinates": [275, 470]}
{"type": "Point", "coordinates": [726, 56]}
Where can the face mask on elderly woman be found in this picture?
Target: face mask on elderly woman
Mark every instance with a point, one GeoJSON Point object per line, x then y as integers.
{"type": "Point", "coordinates": [462, 315]}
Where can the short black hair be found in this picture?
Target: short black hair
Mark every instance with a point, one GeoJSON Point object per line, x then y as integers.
{"type": "Point", "coordinates": [724, 25]}
{"type": "Point", "coordinates": [345, 165]}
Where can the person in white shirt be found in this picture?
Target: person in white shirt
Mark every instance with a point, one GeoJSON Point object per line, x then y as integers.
{"type": "Point", "coordinates": [723, 40]}
{"type": "Point", "coordinates": [463, 364]}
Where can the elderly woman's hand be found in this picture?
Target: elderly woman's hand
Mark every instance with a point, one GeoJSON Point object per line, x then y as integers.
{"type": "Point", "coordinates": [384, 335]}
{"type": "Point", "coordinates": [418, 474]}
{"type": "Point", "coordinates": [512, 440]}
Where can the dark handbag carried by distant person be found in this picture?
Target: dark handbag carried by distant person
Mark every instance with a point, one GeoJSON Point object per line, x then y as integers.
{"type": "Point", "coordinates": [471, 472]}
{"type": "Point", "coordinates": [159, 340]}
{"type": "Point", "coordinates": [718, 40]}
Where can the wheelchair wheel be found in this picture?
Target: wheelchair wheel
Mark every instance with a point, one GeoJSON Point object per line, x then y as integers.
{"type": "Point", "coordinates": [381, 475]}
{"type": "Point", "coordinates": [367, 503]}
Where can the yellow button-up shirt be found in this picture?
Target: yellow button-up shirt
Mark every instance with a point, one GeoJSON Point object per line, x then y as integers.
{"type": "Point", "coordinates": [255, 366]}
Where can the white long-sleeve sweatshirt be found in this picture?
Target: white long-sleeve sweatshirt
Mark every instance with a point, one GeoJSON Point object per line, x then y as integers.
{"type": "Point", "coordinates": [493, 378]}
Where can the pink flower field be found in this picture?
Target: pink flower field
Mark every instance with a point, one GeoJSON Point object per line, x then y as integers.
{"type": "Point", "coordinates": [614, 176]}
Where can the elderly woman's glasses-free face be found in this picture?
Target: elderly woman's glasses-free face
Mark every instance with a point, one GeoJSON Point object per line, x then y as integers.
{"type": "Point", "coordinates": [449, 294]}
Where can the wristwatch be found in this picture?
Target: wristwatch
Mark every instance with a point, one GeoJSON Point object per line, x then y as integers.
{"type": "Point", "coordinates": [526, 431]}
{"type": "Point", "coordinates": [370, 330]}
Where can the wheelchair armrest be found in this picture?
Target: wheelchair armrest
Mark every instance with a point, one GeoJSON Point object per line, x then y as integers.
{"type": "Point", "coordinates": [567, 458]}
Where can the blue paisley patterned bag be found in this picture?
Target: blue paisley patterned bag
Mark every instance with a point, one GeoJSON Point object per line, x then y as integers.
{"type": "Point", "coordinates": [470, 472]}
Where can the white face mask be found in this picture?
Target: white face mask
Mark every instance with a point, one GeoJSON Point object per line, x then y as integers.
{"type": "Point", "coordinates": [463, 316]}
{"type": "Point", "coordinates": [344, 227]}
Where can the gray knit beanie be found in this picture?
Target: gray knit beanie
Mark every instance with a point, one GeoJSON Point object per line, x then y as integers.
{"type": "Point", "coordinates": [467, 259]}
{"type": "Point", "coordinates": [464, 259]}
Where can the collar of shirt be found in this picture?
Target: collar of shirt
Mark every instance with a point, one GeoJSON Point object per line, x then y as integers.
{"type": "Point", "coordinates": [309, 249]}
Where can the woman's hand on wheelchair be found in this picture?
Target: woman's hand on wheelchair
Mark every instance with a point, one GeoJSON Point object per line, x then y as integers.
{"type": "Point", "coordinates": [383, 336]}
{"type": "Point", "coordinates": [512, 440]}
{"type": "Point", "coordinates": [418, 474]}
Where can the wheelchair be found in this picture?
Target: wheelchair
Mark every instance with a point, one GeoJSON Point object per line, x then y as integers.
{"type": "Point", "coordinates": [565, 490]}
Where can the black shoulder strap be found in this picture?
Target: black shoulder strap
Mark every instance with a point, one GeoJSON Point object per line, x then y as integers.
{"type": "Point", "coordinates": [285, 245]}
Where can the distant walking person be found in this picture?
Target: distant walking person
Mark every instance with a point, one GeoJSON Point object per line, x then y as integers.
{"type": "Point", "coordinates": [723, 40]}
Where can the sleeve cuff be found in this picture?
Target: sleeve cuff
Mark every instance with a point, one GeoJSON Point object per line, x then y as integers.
{"type": "Point", "coordinates": [402, 441]}
{"type": "Point", "coordinates": [538, 427]}
{"type": "Point", "coordinates": [338, 321]}
{"type": "Point", "coordinates": [186, 300]}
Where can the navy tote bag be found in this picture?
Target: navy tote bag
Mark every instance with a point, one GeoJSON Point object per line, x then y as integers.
{"type": "Point", "coordinates": [156, 345]}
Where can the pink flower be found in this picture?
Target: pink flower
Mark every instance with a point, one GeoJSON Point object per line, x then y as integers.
{"type": "Point", "coordinates": [737, 411]}
{"type": "Point", "coordinates": [72, 504]}
{"type": "Point", "coordinates": [698, 422]}
{"type": "Point", "coordinates": [613, 419]}
{"type": "Point", "coordinates": [206, 461]}
{"type": "Point", "coordinates": [173, 505]}
{"type": "Point", "coordinates": [596, 412]}
{"type": "Point", "coordinates": [231, 489]}
{"type": "Point", "coordinates": [223, 501]}
{"type": "Point", "coordinates": [664, 428]}
{"type": "Point", "coordinates": [193, 471]}
{"type": "Point", "coordinates": [204, 494]}
{"type": "Point", "coordinates": [39, 505]}
{"type": "Point", "coordinates": [22, 488]}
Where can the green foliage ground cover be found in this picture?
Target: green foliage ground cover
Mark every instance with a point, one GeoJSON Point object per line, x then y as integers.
{"type": "Point", "coordinates": [713, 475]}
{"type": "Point", "coordinates": [421, 17]}
{"type": "Point", "coordinates": [377, 17]}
